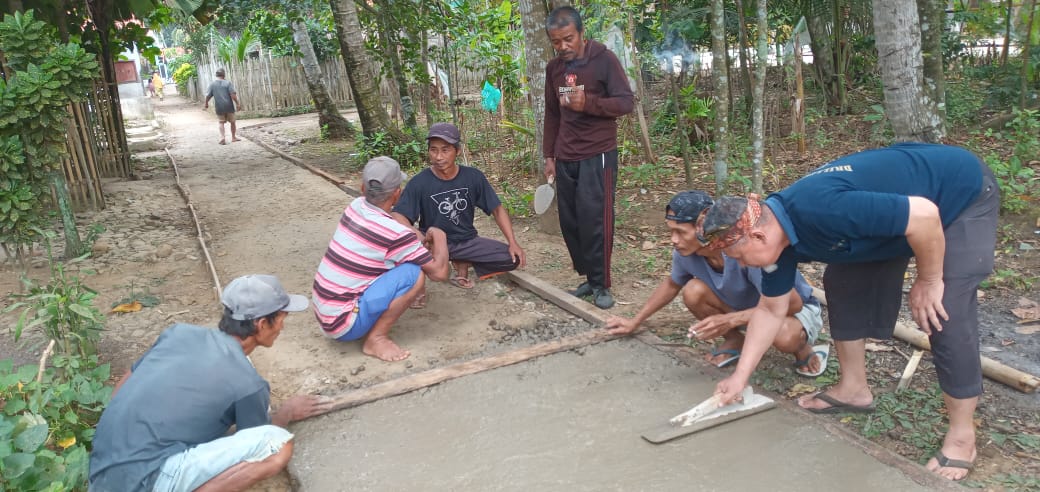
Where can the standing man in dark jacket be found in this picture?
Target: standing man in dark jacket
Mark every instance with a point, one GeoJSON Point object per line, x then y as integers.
{"type": "Point", "coordinates": [586, 90]}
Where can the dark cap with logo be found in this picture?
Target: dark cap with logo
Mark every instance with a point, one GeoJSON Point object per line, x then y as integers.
{"type": "Point", "coordinates": [686, 206]}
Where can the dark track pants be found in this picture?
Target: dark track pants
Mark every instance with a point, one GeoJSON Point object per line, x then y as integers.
{"type": "Point", "coordinates": [487, 256]}
{"type": "Point", "coordinates": [585, 197]}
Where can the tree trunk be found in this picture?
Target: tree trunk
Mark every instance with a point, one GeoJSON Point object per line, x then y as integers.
{"type": "Point", "coordinates": [798, 107]}
{"type": "Point", "coordinates": [745, 62]}
{"type": "Point", "coordinates": [641, 95]}
{"type": "Point", "coordinates": [538, 51]}
{"type": "Point", "coordinates": [680, 127]}
{"type": "Point", "coordinates": [424, 57]}
{"type": "Point", "coordinates": [719, 74]}
{"type": "Point", "coordinates": [391, 42]}
{"type": "Point", "coordinates": [333, 125]}
{"type": "Point", "coordinates": [1007, 34]}
{"type": "Point", "coordinates": [898, 40]}
{"type": "Point", "coordinates": [758, 119]}
{"type": "Point", "coordinates": [1025, 75]}
{"type": "Point", "coordinates": [363, 80]}
{"type": "Point", "coordinates": [933, 22]}
{"type": "Point", "coordinates": [73, 244]}
{"type": "Point", "coordinates": [820, 20]}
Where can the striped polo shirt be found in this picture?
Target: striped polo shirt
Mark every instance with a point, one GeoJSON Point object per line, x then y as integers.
{"type": "Point", "coordinates": [368, 242]}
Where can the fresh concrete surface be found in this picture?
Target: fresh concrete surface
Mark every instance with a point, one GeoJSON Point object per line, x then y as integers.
{"type": "Point", "coordinates": [572, 421]}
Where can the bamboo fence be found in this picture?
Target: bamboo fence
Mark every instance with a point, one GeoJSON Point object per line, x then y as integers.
{"type": "Point", "coordinates": [267, 83]}
{"type": "Point", "coordinates": [94, 149]}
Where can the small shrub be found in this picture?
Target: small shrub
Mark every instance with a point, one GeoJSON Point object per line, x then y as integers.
{"type": "Point", "coordinates": [64, 308]}
{"type": "Point", "coordinates": [410, 154]}
{"type": "Point", "coordinates": [1014, 175]}
{"type": "Point", "coordinates": [47, 422]}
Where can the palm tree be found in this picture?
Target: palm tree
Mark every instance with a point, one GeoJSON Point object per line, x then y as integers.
{"type": "Point", "coordinates": [333, 124]}
{"type": "Point", "coordinates": [363, 81]}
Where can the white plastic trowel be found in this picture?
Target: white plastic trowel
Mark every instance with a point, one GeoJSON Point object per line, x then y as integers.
{"type": "Point", "coordinates": [709, 414]}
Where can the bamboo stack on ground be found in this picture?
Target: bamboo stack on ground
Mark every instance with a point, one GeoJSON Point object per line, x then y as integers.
{"type": "Point", "coordinates": [1022, 381]}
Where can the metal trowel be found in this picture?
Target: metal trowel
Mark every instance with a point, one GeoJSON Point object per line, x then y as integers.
{"type": "Point", "coordinates": [709, 414]}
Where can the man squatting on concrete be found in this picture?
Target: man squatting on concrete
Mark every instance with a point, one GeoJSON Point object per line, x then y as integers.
{"type": "Point", "coordinates": [375, 267]}
{"type": "Point", "coordinates": [865, 215]}
{"type": "Point", "coordinates": [586, 90]}
{"type": "Point", "coordinates": [446, 196]}
{"type": "Point", "coordinates": [166, 426]}
{"type": "Point", "coordinates": [721, 294]}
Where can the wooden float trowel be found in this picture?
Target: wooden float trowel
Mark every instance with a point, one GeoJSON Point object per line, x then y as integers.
{"type": "Point", "coordinates": [709, 414]}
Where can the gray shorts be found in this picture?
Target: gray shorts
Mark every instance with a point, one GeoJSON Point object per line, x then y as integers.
{"type": "Point", "coordinates": [863, 299]}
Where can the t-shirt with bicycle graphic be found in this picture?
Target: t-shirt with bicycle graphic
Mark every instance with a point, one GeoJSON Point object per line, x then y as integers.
{"type": "Point", "coordinates": [448, 204]}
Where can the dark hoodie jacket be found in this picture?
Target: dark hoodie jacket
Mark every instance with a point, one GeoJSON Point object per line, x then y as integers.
{"type": "Point", "coordinates": [574, 136]}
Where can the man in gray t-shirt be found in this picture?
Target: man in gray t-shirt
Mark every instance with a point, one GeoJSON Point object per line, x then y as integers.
{"type": "Point", "coordinates": [225, 101]}
{"type": "Point", "coordinates": [721, 293]}
{"type": "Point", "coordinates": [166, 426]}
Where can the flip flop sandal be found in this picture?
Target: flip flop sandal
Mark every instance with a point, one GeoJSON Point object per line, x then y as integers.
{"type": "Point", "coordinates": [734, 356]}
{"type": "Point", "coordinates": [838, 406]}
{"type": "Point", "coordinates": [462, 282]}
{"type": "Point", "coordinates": [800, 367]}
{"type": "Point", "coordinates": [945, 462]}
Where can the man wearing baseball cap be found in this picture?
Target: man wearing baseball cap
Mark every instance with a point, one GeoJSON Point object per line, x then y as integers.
{"type": "Point", "coordinates": [166, 426]}
{"type": "Point", "coordinates": [721, 294]}
{"type": "Point", "coordinates": [375, 267]}
{"type": "Point", "coordinates": [446, 196]}
{"type": "Point", "coordinates": [866, 215]}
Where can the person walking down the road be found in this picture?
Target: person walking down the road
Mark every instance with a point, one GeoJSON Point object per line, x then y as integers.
{"type": "Point", "coordinates": [866, 215]}
{"type": "Point", "coordinates": [721, 294]}
{"type": "Point", "coordinates": [586, 90]}
{"type": "Point", "coordinates": [446, 196]}
{"type": "Point", "coordinates": [166, 427]}
{"type": "Point", "coordinates": [375, 267]}
{"type": "Point", "coordinates": [151, 88]}
{"type": "Point", "coordinates": [225, 102]}
{"type": "Point", "coordinates": [157, 83]}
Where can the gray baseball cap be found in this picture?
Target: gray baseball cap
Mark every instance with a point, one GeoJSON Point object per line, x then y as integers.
{"type": "Point", "coordinates": [254, 296]}
{"type": "Point", "coordinates": [383, 174]}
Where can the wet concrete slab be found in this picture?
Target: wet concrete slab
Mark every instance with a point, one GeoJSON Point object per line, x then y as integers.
{"type": "Point", "coordinates": [572, 421]}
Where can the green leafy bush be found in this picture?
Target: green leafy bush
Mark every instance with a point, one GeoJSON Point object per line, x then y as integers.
{"type": "Point", "coordinates": [42, 77]}
{"type": "Point", "coordinates": [47, 422]}
{"type": "Point", "coordinates": [411, 154]}
{"type": "Point", "coordinates": [63, 308]}
{"type": "Point", "coordinates": [1016, 178]}
{"type": "Point", "coordinates": [182, 75]}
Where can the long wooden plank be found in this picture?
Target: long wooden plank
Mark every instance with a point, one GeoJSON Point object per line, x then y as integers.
{"type": "Point", "coordinates": [339, 182]}
{"type": "Point", "coordinates": [557, 296]}
{"type": "Point", "coordinates": [439, 375]}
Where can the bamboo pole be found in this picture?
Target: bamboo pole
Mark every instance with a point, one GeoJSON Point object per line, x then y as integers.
{"type": "Point", "coordinates": [1022, 381]}
{"type": "Point", "coordinates": [82, 126]}
{"type": "Point", "coordinates": [186, 194]}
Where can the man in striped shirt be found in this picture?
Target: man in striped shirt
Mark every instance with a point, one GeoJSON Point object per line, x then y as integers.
{"type": "Point", "coordinates": [375, 267]}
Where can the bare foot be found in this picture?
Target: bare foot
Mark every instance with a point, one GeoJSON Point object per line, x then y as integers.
{"type": "Point", "coordinates": [222, 142]}
{"type": "Point", "coordinates": [959, 454]}
{"type": "Point", "coordinates": [236, 139]}
{"type": "Point", "coordinates": [383, 348]}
